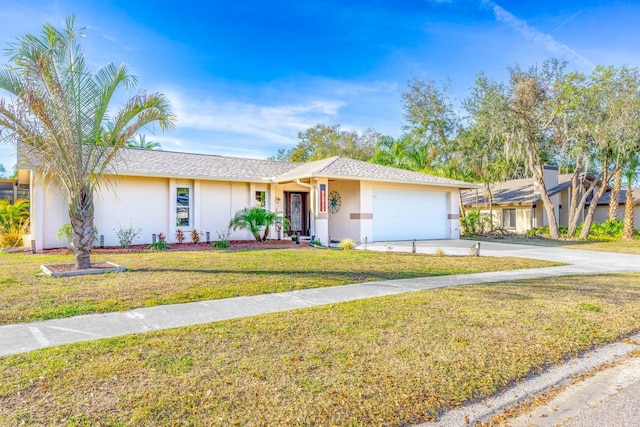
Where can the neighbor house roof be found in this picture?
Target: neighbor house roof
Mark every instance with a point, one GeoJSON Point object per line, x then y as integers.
{"type": "Point", "coordinates": [523, 192]}
{"type": "Point", "coordinates": [513, 192]}
{"type": "Point", "coordinates": [604, 200]}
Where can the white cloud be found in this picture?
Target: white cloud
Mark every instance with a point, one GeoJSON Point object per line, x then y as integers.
{"type": "Point", "coordinates": [272, 123]}
{"type": "Point", "coordinates": [532, 34]}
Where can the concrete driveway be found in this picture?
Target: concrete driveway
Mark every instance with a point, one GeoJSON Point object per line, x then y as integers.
{"type": "Point", "coordinates": [582, 261]}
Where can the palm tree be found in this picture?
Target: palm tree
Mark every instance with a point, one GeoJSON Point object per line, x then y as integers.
{"type": "Point", "coordinates": [631, 172]}
{"type": "Point", "coordinates": [258, 221]}
{"type": "Point", "coordinates": [59, 116]}
{"type": "Point", "coordinates": [142, 143]}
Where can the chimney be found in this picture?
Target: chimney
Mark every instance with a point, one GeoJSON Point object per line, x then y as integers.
{"type": "Point", "coordinates": [550, 176]}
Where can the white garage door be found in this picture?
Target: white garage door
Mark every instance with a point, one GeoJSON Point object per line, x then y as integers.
{"type": "Point", "coordinates": [406, 215]}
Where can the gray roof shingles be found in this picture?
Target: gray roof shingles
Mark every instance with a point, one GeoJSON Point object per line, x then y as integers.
{"type": "Point", "coordinates": [205, 166]}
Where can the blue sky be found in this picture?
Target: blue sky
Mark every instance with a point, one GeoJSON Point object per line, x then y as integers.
{"type": "Point", "coordinates": [245, 77]}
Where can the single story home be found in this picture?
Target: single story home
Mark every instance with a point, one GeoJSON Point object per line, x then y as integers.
{"type": "Point", "coordinates": [331, 199]}
{"type": "Point", "coordinates": [517, 206]}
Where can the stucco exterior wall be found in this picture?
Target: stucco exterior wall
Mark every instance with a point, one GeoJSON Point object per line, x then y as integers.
{"type": "Point", "coordinates": [49, 211]}
{"type": "Point", "coordinates": [132, 201]}
{"type": "Point", "coordinates": [219, 202]}
{"type": "Point", "coordinates": [341, 224]}
{"type": "Point", "coordinates": [213, 204]}
{"type": "Point", "coordinates": [602, 213]}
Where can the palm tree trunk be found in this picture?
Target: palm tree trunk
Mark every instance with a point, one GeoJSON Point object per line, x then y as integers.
{"type": "Point", "coordinates": [81, 216]}
{"type": "Point", "coordinates": [628, 230]}
{"type": "Point", "coordinates": [614, 202]}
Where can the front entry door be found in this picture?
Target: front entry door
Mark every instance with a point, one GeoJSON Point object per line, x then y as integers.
{"type": "Point", "coordinates": [296, 213]}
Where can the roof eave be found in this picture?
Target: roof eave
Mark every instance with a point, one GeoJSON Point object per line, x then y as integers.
{"type": "Point", "coordinates": [194, 177]}
{"type": "Point", "coordinates": [394, 181]}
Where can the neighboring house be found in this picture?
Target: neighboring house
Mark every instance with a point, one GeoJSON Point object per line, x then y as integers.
{"type": "Point", "coordinates": [517, 206]}
{"type": "Point", "coordinates": [602, 211]}
{"type": "Point", "coordinates": [336, 198]}
{"type": "Point", "coordinates": [11, 190]}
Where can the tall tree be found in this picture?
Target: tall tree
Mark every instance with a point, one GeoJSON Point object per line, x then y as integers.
{"type": "Point", "coordinates": [431, 122]}
{"type": "Point", "coordinates": [59, 112]}
{"type": "Point", "coordinates": [578, 109]}
{"type": "Point", "coordinates": [394, 152]}
{"type": "Point", "coordinates": [482, 143]}
{"type": "Point", "coordinates": [631, 173]}
{"type": "Point", "coordinates": [616, 131]}
{"type": "Point", "coordinates": [531, 115]}
{"type": "Point", "coordinates": [322, 141]}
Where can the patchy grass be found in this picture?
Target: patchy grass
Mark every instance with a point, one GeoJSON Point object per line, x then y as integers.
{"type": "Point", "coordinates": [175, 277]}
{"type": "Point", "coordinates": [621, 246]}
{"type": "Point", "coordinates": [382, 361]}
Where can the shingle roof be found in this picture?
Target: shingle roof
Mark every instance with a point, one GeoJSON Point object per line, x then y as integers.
{"type": "Point", "coordinates": [604, 200]}
{"type": "Point", "coordinates": [197, 166]}
{"type": "Point", "coordinates": [513, 192]}
{"type": "Point", "coordinates": [205, 166]}
{"type": "Point", "coordinates": [344, 168]}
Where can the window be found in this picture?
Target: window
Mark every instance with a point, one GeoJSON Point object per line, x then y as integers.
{"type": "Point", "coordinates": [183, 207]}
{"type": "Point", "coordinates": [261, 199]}
{"type": "Point", "coordinates": [509, 218]}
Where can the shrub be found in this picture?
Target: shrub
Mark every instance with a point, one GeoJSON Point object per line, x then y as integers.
{"type": "Point", "coordinates": [315, 242]}
{"type": "Point", "coordinates": [223, 239]}
{"type": "Point", "coordinates": [180, 236]}
{"type": "Point", "coordinates": [11, 237]}
{"type": "Point", "coordinates": [195, 236]}
{"type": "Point", "coordinates": [221, 244]}
{"type": "Point", "coordinates": [127, 235]}
{"type": "Point", "coordinates": [347, 244]}
{"type": "Point", "coordinates": [14, 222]}
{"type": "Point", "coordinates": [439, 252]}
{"type": "Point", "coordinates": [608, 229]}
{"type": "Point", "coordinates": [475, 222]}
{"type": "Point", "coordinates": [258, 221]}
{"type": "Point", "coordinates": [161, 244]}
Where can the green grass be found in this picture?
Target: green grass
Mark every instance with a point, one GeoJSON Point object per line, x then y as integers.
{"type": "Point", "coordinates": [382, 361]}
{"type": "Point", "coordinates": [174, 277]}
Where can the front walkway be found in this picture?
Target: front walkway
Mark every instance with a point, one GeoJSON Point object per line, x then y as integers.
{"type": "Point", "coordinates": [25, 337]}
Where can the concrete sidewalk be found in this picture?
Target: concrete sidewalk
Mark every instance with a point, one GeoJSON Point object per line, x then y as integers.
{"type": "Point", "coordinates": [25, 337]}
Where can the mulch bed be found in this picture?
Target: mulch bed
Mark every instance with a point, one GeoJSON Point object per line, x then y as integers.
{"type": "Point", "coordinates": [234, 245]}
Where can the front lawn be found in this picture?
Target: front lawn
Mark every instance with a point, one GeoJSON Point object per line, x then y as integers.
{"type": "Point", "coordinates": [621, 246]}
{"type": "Point", "coordinates": [158, 278]}
{"type": "Point", "coordinates": [611, 245]}
{"type": "Point", "coordinates": [382, 361]}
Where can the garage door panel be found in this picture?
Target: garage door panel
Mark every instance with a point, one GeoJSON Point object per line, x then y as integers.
{"type": "Point", "coordinates": [406, 215]}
